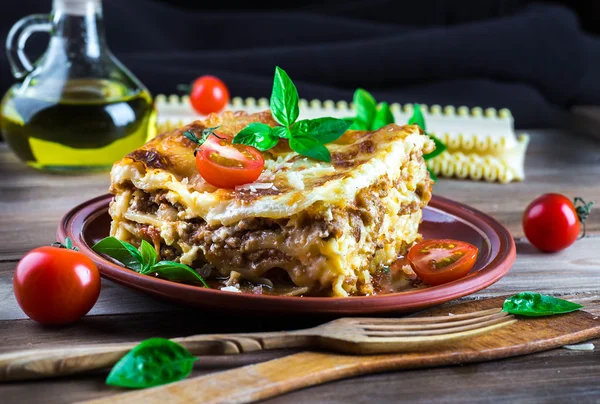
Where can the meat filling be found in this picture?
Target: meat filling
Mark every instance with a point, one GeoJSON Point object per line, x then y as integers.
{"type": "Point", "coordinates": [253, 246]}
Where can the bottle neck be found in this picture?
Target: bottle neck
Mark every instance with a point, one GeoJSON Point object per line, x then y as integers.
{"type": "Point", "coordinates": [79, 27]}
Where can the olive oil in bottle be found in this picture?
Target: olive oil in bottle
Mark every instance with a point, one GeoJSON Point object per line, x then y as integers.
{"type": "Point", "coordinates": [91, 125]}
{"type": "Point", "coordinates": [77, 108]}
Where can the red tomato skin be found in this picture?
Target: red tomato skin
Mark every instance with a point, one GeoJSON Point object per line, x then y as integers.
{"type": "Point", "coordinates": [209, 94]}
{"type": "Point", "coordinates": [56, 286]}
{"type": "Point", "coordinates": [446, 274]}
{"type": "Point", "coordinates": [223, 176]}
{"type": "Point", "coordinates": [551, 223]}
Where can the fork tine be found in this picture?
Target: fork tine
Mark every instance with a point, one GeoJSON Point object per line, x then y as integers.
{"type": "Point", "coordinates": [425, 320]}
{"type": "Point", "coordinates": [412, 344]}
{"type": "Point", "coordinates": [448, 324]}
{"type": "Point", "coordinates": [451, 330]}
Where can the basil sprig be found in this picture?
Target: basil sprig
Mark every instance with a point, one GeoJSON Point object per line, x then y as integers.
{"type": "Point", "coordinates": [369, 116]}
{"type": "Point", "coordinates": [417, 118]}
{"type": "Point", "coordinates": [533, 304]}
{"type": "Point", "coordinates": [306, 137]}
{"type": "Point", "coordinates": [153, 362]}
{"type": "Point", "coordinates": [145, 260]}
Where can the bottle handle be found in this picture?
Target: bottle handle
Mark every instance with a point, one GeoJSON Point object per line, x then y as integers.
{"type": "Point", "coordinates": [17, 38]}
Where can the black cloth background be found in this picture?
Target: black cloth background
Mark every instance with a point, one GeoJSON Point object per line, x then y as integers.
{"type": "Point", "coordinates": [534, 60]}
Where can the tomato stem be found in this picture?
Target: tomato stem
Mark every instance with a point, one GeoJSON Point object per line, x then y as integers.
{"type": "Point", "coordinates": [583, 211]}
{"type": "Point", "coordinates": [68, 244]}
{"type": "Point", "coordinates": [210, 131]}
{"type": "Point", "coordinates": [200, 141]}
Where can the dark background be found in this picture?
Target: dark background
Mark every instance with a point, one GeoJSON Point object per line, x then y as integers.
{"type": "Point", "coordinates": [536, 58]}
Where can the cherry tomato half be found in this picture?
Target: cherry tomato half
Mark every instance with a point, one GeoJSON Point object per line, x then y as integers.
{"type": "Point", "coordinates": [551, 223]}
{"type": "Point", "coordinates": [441, 261]}
{"type": "Point", "coordinates": [209, 94]}
{"type": "Point", "coordinates": [56, 286]}
{"type": "Point", "coordinates": [225, 165]}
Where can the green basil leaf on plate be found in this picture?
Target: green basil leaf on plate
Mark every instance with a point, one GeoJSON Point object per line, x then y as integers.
{"type": "Point", "coordinates": [324, 130]}
{"type": "Point", "coordinates": [366, 108]}
{"type": "Point", "coordinates": [439, 148]}
{"type": "Point", "coordinates": [383, 116]}
{"type": "Point", "coordinates": [284, 99]}
{"type": "Point", "coordinates": [149, 256]}
{"type": "Point", "coordinates": [153, 362]}
{"type": "Point", "coordinates": [121, 251]}
{"type": "Point", "coordinates": [417, 117]}
{"type": "Point", "coordinates": [281, 132]}
{"type": "Point", "coordinates": [310, 147]}
{"type": "Point", "coordinates": [536, 305]}
{"type": "Point", "coordinates": [258, 135]}
{"type": "Point", "coordinates": [177, 272]}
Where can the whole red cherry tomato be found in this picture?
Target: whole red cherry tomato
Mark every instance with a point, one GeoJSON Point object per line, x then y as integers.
{"type": "Point", "coordinates": [552, 222]}
{"type": "Point", "coordinates": [209, 94]}
{"type": "Point", "coordinates": [56, 286]}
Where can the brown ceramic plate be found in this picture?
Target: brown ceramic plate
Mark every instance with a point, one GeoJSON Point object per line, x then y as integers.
{"type": "Point", "coordinates": [443, 218]}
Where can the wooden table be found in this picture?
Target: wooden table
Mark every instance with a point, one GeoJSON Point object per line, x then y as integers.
{"type": "Point", "coordinates": [31, 204]}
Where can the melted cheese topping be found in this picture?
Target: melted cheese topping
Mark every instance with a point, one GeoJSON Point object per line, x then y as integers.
{"type": "Point", "coordinates": [299, 182]}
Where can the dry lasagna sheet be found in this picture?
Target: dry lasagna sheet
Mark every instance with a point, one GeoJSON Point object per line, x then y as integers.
{"type": "Point", "coordinates": [328, 226]}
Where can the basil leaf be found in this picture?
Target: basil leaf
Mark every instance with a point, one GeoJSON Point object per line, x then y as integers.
{"type": "Point", "coordinates": [257, 135]}
{"type": "Point", "coordinates": [121, 251]}
{"type": "Point", "coordinates": [382, 117]}
{"type": "Point", "coordinates": [149, 256]}
{"type": "Point", "coordinates": [281, 132]}
{"type": "Point", "coordinates": [417, 117]}
{"type": "Point", "coordinates": [366, 108]}
{"type": "Point", "coordinates": [432, 175]}
{"type": "Point", "coordinates": [439, 148]}
{"type": "Point", "coordinates": [153, 362]}
{"type": "Point", "coordinates": [350, 121]}
{"type": "Point", "coordinates": [309, 146]}
{"type": "Point", "coordinates": [177, 272]}
{"type": "Point", "coordinates": [536, 305]}
{"type": "Point", "coordinates": [284, 99]}
{"type": "Point", "coordinates": [360, 125]}
{"type": "Point", "coordinates": [357, 124]}
{"type": "Point", "coordinates": [324, 130]}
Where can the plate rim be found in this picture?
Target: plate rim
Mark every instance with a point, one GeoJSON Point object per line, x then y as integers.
{"type": "Point", "coordinates": [75, 221]}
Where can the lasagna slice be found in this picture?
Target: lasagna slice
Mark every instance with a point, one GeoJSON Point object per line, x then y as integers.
{"type": "Point", "coordinates": [327, 226]}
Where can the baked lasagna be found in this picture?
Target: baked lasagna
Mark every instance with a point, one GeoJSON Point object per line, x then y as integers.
{"type": "Point", "coordinates": [325, 227]}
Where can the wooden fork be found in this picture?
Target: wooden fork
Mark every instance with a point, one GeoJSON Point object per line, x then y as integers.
{"type": "Point", "coordinates": [346, 335]}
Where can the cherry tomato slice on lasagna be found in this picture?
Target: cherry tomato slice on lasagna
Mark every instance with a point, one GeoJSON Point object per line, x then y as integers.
{"type": "Point", "coordinates": [441, 261]}
{"type": "Point", "coordinates": [226, 165]}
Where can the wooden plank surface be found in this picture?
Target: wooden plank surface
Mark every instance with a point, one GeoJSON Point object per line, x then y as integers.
{"type": "Point", "coordinates": [543, 370]}
{"type": "Point", "coordinates": [31, 204]}
{"type": "Point", "coordinates": [304, 369]}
